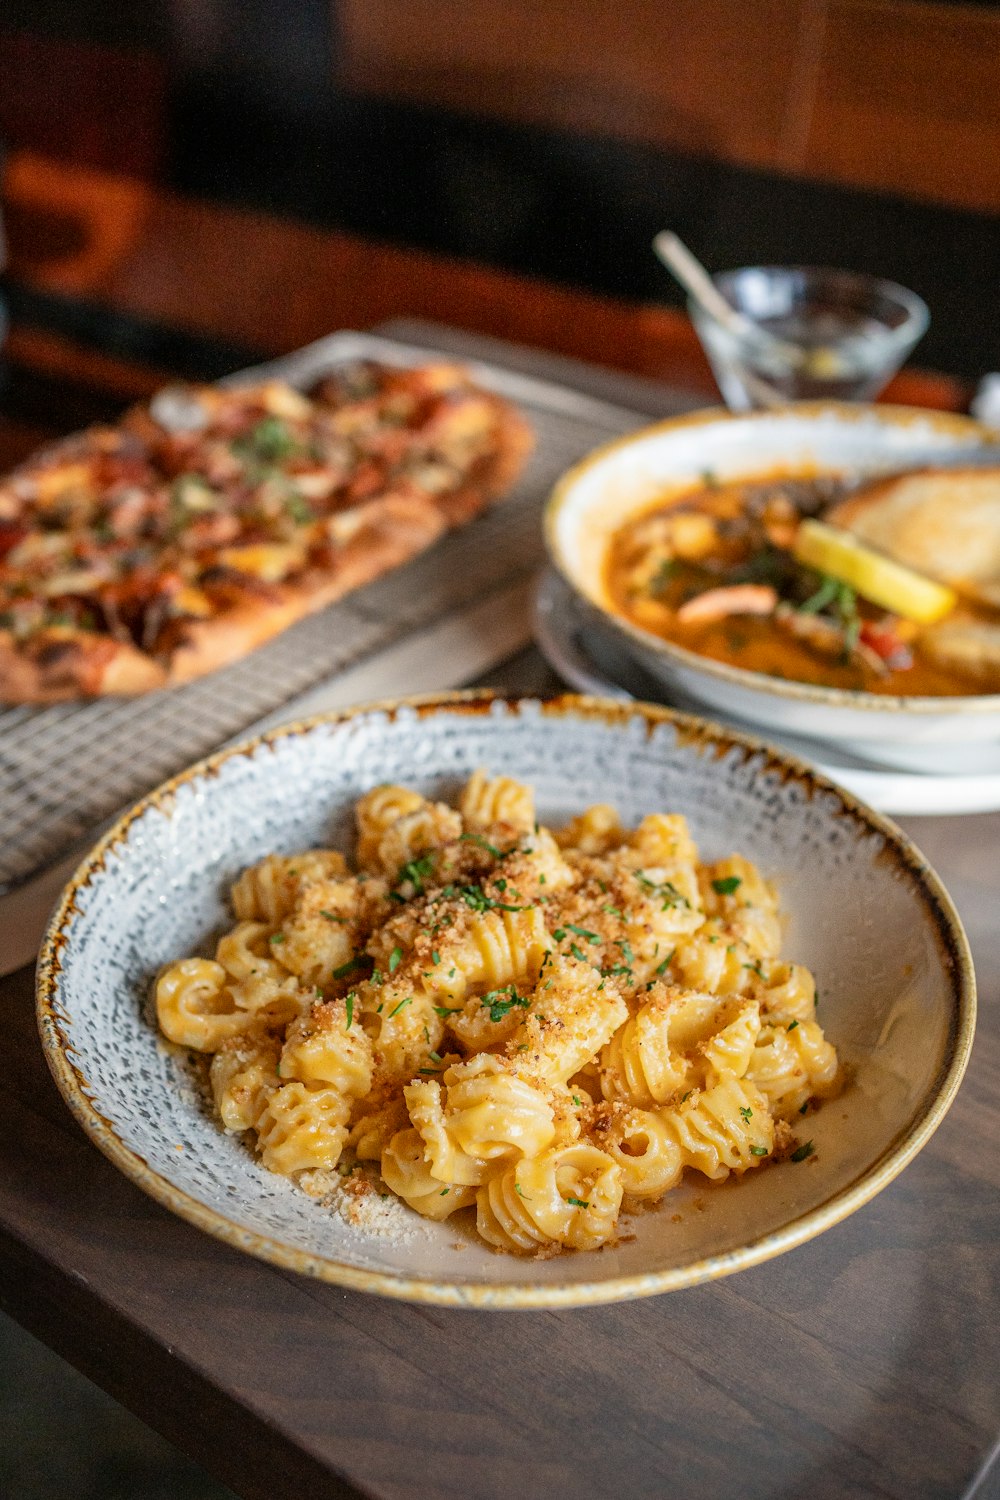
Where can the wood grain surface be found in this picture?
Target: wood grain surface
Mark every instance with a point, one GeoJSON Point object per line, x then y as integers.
{"type": "Point", "coordinates": [864, 1364]}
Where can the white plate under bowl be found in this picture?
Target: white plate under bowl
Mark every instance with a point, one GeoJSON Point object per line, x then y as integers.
{"type": "Point", "coordinates": [627, 477]}
{"type": "Point", "coordinates": [864, 912]}
{"type": "Point", "coordinates": [593, 660]}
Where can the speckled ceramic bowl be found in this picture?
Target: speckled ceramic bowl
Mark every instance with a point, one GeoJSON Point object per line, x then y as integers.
{"type": "Point", "coordinates": [626, 477]}
{"type": "Point", "coordinates": [865, 913]}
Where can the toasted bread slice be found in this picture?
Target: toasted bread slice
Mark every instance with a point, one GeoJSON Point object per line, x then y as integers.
{"type": "Point", "coordinates": [944, 523]}
{"type": "Point", "coordinates": [965, 646]}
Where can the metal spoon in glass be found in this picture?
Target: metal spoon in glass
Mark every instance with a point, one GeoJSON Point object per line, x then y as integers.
{"type": "Point", "coordinates": [822, 361]}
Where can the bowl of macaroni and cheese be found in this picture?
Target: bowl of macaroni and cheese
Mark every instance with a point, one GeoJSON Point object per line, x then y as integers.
{"type": "Point", "coordinates": [507, 1004]}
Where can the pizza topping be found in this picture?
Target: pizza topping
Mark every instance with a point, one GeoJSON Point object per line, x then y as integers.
{"type": "Point", "coordinates": [209, 498]}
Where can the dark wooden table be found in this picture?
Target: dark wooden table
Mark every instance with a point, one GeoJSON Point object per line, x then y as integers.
{"type": "Point", "coordinates": [865, 1364]}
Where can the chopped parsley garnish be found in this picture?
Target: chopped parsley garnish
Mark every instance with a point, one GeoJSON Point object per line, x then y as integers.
{"type": "Point", "coordinates": [828, 591]}
{"type": "Point", "coordinates": [331, 916]}
{"type": "Point", "coordinates": [727, 884]}
{"type": "Point", "coordinates": [759, 1151]}
{"type": "Point", "coordinates": [792, 1025]}
{"type": "Point", "coordinates": [270, 440]}
{"type": "Point", "coordinates": [357, 962]}
{"type": "Point", "coordinates": [592, 937]}
{"type": "Point", "coordinates": [616, 969]}
{"type": "Point", "coordinates": [350, 1010]}
{"type": "Point", "coordinates": [477, 838]}
{"type": "Point", "coordinates": [444, 1192]}
{"type": "Point", "coordinates": [804, 1108]}
{"type": "Point", "coordinates": [443, 1011]}
{"type": "Point", "coordinates": [577, 1100]}
{"type": "Point", "coordinates": [521, 1193]}
{"type": "Point", "coordinates": [299, 508]}
{"type": "Point", "coordinates": [276, 937]}
{"type": "Point", "coordinates": [755, 968]}
{"type": "Point", "coordinates": [685, 1097]}
{"type": "Point", "coordinates": [627, 953]}
{"type": "Point", "coordinates": [577, 1202]}
{"type": "Point", "coordinates": [577, 952]}
{"type": "Point", "coordinates": [395, 959]}
{"type": "Point", "coordinates": [665, 889]}
{"type": "Point", "coordinates": [661, 968]}
{"type": "Point", "coordinates": [477, 900]}
{"type": "Point", "coordinates": [802, 1152]}
{"type": "Point", "coordinates": [501, 1002]}
{"type": "Point", "coordinates": [435, 1057]}
{"type": "Point", "coordinates": [415, 872]}
{"type": "Point", "coordinates": [559, 933]}
{"type": "Point", "coordinates": [746, 1112]}
{"type": "Point", "coordinates": [399, 1007]}
{"type": "Point", "coordinates": [612, 911]}
{"type": "Point", "coordinates": [435, 956]}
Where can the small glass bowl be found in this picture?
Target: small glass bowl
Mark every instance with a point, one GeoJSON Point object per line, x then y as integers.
{"type": "Point", "coordinates": [853, 331]}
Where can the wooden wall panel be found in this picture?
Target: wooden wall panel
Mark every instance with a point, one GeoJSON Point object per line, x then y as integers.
{"type": "Point", "coordinates": [884, 94]}
{"type": "Point", "coordinates": [99, 105]}
{"type": "Point", "coordinates": [273, 284]}
{"type": "Point", "coordinates": [908, 100]}
{"type": "Point", "coordinates": [707, 76]}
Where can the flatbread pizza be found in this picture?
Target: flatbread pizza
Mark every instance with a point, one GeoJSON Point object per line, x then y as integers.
{"type": "Point", "coordinates": [141, 556]}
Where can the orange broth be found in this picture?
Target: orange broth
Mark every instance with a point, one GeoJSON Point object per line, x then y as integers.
{"type": "Point", "coordinates": [648, 581]}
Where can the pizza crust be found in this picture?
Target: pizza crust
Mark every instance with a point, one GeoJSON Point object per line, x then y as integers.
{"type": "Point", "coordinates": [376, 536]}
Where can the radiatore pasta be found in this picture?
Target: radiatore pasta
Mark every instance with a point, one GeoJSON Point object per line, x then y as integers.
{"type": "Point", "coordinates": [546, 1028]}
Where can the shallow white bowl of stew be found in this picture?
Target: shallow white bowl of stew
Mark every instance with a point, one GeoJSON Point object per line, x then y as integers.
{"type": "Point", "coordinates": [627, 478]}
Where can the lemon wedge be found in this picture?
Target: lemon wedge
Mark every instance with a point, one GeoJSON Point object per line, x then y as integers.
{"type": "Point", "coordinates": [872, 574]}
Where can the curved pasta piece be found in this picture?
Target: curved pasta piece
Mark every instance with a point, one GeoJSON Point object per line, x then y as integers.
{"type": "Point", "coordinates": [723, 1129]}
{"type": "Point", "coordinates": [302, 1127]}
{"type": "Point", "coordinates": [573, 1014]}
{"type": "Point", "coordinates": [243, 1071]}
{"type": "Point", "coordinates": [445, 1159]}
{"type": "Point", "coordinates": [678, 1039]}
{"type": "Point", "coordinates": [194, 1008]}
{"type": "Point", "coordinates": [596, 830]}
{"type": "Point", "coordinates": [375, 813]}
{"type": "Point", "coordinates": [789, 994]}
{"type": "Point", "coordinates": [790, 1067]}
{"type": "Point", "coordinates": [491, 950]}
{"type": "Point", "coordinates": [266, 892]}
{"type": "Point", "coordinates": [405, 1170]}
{"type": "Point", "coordinates": [729, 1050]}
{"type": "Point", "coordinates": [663, 856]}
{"type": "Point", "coordinates": [329, 1046]}
{"type": "Point", "coordinates": [271, 1002]}
{"type": "Point", "coordinates": [734, 890]}
{"type": "Point", "coordinates": [714, 959]}
{"type": "Point", "coordinates": [567, 1196]}
{"type": "Point", "coordinates": [397, 826]}
{"type": "Point", "coordinates": [648, 1155]}
{"type": "Point", "coordinates": [500, 799]}
{"type": "Point", "coordinates": [323, 930]}
{"type": "Point", "coordinates": [638, 1065]}
{"type": "Point", "coordinates": [483, 1116]}
{"type": "Point", "coordinates": [405, 1029]}
{"type": "Point", "coordinates": [372, 1131]}
{"type": "Point", "coordinates": [246, 952]}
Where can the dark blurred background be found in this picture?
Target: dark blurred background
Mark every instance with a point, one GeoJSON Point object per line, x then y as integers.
{"type": "Point", "coordinates": [552, 137]}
